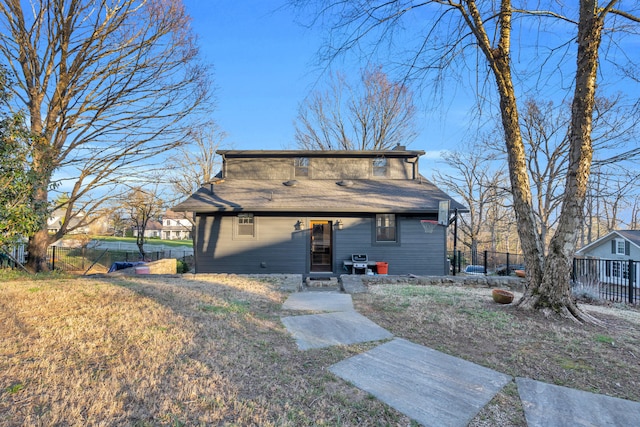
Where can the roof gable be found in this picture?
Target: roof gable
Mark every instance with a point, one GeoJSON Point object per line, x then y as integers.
{"type": "Point", "coordinates": [632, 236]}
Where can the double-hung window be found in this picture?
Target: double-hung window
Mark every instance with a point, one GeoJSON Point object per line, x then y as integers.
{"type": "Point", "coordinates": [620, 247]}
{"type": "Point", "coordinates": [245, 225]}
{"type": "Point", "coordinates": [386, 228]}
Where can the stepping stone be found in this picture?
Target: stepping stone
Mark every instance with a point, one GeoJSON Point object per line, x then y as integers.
{"type": "Point", "coordinates": [339, 328]}
{"type": "Point", "coordinates": [318, 301]}
{"type": "Point", "coordinates": [551, 405]}
{"type": "Point", "coordinates": [431, 387]}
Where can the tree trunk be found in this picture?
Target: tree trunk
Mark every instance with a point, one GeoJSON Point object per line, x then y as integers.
{"type": "Point", "coordinates": [553, 292]}
{"type": "Point", "coordinates": [499, 60]}
{"type": "Point", "coordinates": [140, 242]}
{"type": "Point", "coordinates": [37, 250]}
{"type": "Point", "coordinates": [40, 241]}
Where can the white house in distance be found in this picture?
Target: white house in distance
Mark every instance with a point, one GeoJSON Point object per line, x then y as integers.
{"type": "Point", "coordinates": [153, 230]}
{"type": "Point", "coordinates": [54, 222]}
{"type": "Point", "coordinates": [617, 245]}
{"type": "Point", "coordinates": [614, 251]}
{"type": "Point", "coordinates": [177, 225]}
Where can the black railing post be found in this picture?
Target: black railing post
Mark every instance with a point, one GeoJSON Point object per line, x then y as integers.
{"type": "Point", "coordinates": [53, 257]}
{"type": "Point", "coordinates": [631, 280]}
{"type": "Point", "coordinates": [455, 239]}
{"type": "Point", "coordinates": [508, 272]}
{"type": "Point", "coordinates": [486, 255]}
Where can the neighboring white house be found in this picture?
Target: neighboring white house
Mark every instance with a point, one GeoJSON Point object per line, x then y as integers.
{"type": "Point", "coordinates": [615, 250]}
{"type": "Point", "coordinates": [176, 225]}
{"type": "Point", "coordinates": [54, 222]}
{"type": "Point", "coordinates": [152, 231]}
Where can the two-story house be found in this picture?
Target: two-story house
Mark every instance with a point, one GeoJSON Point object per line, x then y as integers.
{"type": "Point", "coordinates": [176, 225]}
{"type": "Point", "coordinates": [310, 212]}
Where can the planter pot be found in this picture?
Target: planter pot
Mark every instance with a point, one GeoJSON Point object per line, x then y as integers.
{"type": "Point", "coordinates": [501, 296]}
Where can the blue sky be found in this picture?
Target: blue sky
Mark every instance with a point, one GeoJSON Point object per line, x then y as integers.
{"type": "Point", "coordinates": [263, 68]}
{"type": "Point", "coordinates": [265, 65]}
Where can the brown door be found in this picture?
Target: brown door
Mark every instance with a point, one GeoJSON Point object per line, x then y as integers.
{"type": "Point", "coordinates": [321, 246]}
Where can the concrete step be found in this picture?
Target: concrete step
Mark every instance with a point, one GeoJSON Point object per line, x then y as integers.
{"type": "Point", "coordinates": [322, 283]}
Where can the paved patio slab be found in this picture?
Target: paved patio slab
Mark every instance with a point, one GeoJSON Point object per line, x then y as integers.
{"type": "Point", "coordinates": [318, 301]}
{"type": "Point", "coordinates": [327, 329]}
{"type": "Point", "coordinates": [550, 405]}
{"type": "Point", "coordinates": [431, 387]}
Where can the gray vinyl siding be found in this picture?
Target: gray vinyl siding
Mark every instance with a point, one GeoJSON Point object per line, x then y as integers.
{"type": "Point", "coordinates": [282, 168]}
{"type": "Point", "coordinates": [603, 250]}
{"type": "Point", "coordinates": [417, 252]}
{"type": "Point", "coordinates": [277, 248]}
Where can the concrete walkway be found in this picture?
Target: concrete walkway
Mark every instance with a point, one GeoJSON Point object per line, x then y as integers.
{"type": "Point", "coordinates": [431, 387]}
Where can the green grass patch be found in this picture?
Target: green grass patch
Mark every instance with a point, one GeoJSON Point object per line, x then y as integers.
{"type": "Point", "coordinates": [605, 339]}
{"type": "Point", "coordinates": [14, 388]}
{"type": "Point", "coordinates": [496, 319]}
{"type": "Point", "coordinates": [436, 295]}
{"type": "Point", "coordinates": [8, 274]}
{"type": "Point", "coordinates": [147, 241]}
{"type": "Point", "coordinates": [574, 365]}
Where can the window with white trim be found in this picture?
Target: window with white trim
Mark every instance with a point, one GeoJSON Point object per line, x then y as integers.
{"type": "Point", "coordinates": [617, 269]}
{"type": "Point", "coordinates": [620, 247]}
{"type": "Point", "coordinates": [245, 225]}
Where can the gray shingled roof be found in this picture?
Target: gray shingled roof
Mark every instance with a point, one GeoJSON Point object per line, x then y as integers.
{"type": "Point", "coordinates": [631, 235]}
{"type": "Point", "coordinates": [393, 196]}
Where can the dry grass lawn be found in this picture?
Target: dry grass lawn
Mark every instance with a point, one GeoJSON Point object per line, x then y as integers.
{"type": "Point", "coordinates": [211, 350]}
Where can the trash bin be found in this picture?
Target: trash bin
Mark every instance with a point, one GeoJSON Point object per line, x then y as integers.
{"type": "Point", "coordinates": [382, 267]}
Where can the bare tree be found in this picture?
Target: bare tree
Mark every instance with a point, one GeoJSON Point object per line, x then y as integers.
{"type": "Point", "coordinates": [545, 129]}
{"type": "Point", "coordinates": [474, 178]}
{"type": "Point", "coordinates": [487, 28]}
{"type": "Point", "coordinates": [142, 205]}
{"type": "Point", "coordinates": [376, 115]}
{"type": "Point", "coordinates": [196, 162]}
{"type": "Point", "coordinates": [107, 86]}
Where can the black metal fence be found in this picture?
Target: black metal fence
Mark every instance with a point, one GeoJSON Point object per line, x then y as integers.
{"type": "Point", "coordinates": [613, 280]}
{"type": "Point", "coordinates": [500, 263]}
{"type": "Point", "coordinates": [84, 259]}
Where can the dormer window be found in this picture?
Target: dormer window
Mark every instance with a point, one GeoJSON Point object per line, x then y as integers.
{"type": "Point", "coordinates": [301, 165]}
{"type": "Point", "coordinates": [380, 166]}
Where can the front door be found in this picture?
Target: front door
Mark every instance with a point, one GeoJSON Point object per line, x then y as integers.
{"type": "Point", "coordinates": [321, 249]}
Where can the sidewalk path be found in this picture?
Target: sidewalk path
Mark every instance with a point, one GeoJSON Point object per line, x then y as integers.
{"type": "Point", "coordinates": [431, 387]}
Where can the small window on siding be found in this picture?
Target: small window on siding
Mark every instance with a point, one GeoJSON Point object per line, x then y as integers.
{"type": "Point", "coordinates": [620, 247]}
{"type": "Point", "coordinates": [301, 166]}
{"type": "Point", "coordinates": [380, 166]}
{"type": "Point", "coordinates": [246, 225]}
{"type": "Point", "coordinates": [385, 228]}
